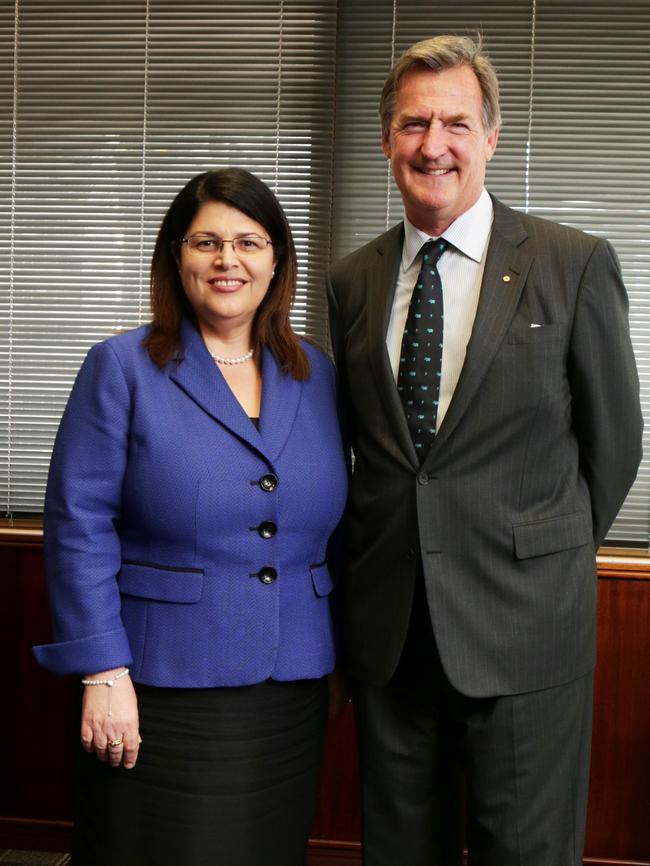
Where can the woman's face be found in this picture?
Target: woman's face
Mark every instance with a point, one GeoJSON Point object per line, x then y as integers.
{"type": "Point", "coordinates": [225, 283]}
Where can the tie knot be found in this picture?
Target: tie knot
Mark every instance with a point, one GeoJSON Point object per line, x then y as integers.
{"type": "Point", "coordinates": [432, 250]}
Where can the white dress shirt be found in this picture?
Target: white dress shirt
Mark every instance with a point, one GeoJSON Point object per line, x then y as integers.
{"type": "Point", "coordinates": [461, 272]}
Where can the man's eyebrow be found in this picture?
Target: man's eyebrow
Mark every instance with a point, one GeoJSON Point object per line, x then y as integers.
{"type": "Point", "coordinates": [455, 118]}
{"type": "Point", "coordinates": [408, 118]}
{"type": "Point", "coordinates": [402, 119]}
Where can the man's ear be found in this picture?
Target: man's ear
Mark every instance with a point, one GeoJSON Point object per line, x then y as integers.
{"type": "Point", "coordinates": [491, 144]}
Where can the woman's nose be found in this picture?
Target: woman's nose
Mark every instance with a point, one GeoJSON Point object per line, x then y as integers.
{"type": "Point", "coordinates": [227, 253]}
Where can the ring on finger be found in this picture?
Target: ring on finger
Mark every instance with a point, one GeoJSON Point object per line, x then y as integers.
{"type": "Point", "coordinates": [114, 744]}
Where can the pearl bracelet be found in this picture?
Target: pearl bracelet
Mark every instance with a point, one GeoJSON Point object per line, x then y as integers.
{"type": "Point", "coordinates": [110, 683]}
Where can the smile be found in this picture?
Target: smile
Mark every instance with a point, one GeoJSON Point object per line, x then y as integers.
{"type": "Point", "coordinates": [226, 284]}
{"type": "Point", "coordinates": [435, 172]}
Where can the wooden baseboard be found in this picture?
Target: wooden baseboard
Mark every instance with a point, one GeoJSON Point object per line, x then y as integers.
{"type": "Point", "coordinates": [27, 834]}
{"type": "Point", "coordinates": [322, 853]}
{"type": "Point", "coordinates": [32, 834]}
{"type": "Point", "coordinates": [595, 861]}
{"type": "Point", "coordinates": [326, 852]}
{"type": "Point", "coordinates": [38, 835]}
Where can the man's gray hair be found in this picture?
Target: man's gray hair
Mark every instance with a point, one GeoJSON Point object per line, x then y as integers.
{"type": "Point", "coordinates": [438, 53]}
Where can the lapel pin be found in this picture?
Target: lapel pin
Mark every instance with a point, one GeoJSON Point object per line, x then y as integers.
{"type": "Point", "coordinates": [506, 278]}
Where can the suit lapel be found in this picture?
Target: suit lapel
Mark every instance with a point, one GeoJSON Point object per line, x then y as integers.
{"type": "Point", "coordinates": [280, 401]}
{"type": "Point", "coordinates": [380, 290]}
{"type": "Point", "coordinates": [200, 378]}
{"type": "Point", "coordinates": [506, 269]}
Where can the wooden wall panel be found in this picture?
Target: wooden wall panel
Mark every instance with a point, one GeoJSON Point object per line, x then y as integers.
{"type": "Point", "coordinates": [38, 724]}
{"type": "Point", "coordinates": [338, 810]}
{"type": "Point", "coordinates": [39, 727]}
{"type": "Point", "coordinates": [618, 823]}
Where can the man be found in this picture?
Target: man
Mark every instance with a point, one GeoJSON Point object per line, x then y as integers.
{"type": "Point", "coordinates": [488, 469]}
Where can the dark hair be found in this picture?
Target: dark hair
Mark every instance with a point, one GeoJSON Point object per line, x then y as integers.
{"type": "Point", "coordinates": [445, 52]}
{"type": "Point", "coordinates": [271, 326]}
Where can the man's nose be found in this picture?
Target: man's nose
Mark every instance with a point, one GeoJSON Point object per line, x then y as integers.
{"type": "Point", "coordinates": [433, 141]}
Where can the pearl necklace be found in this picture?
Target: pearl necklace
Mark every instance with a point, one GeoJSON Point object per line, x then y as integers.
{"type": "Point", "coordinates": [242, 358]}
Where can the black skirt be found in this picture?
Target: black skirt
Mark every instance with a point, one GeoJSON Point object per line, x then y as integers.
{"type": "Point", "coordinates": [224, 776]}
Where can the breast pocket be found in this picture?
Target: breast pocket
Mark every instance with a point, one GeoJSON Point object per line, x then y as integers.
{"type": "Point", "coordinates": [529, 371]}
{"type": "Point", "coordinates": [553, 333]}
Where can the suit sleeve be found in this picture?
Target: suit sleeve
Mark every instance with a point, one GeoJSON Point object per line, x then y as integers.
{"type": "Point", "coordinates": [606, 409]}
{"type": "Point", "coordinates": [82, 509]}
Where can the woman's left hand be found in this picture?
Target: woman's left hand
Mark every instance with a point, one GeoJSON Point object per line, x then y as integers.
{"type": "Point", "coordinates": [109, 720]}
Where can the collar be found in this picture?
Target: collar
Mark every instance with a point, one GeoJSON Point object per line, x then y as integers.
{"type": "Point", "coordinates": [469, 233]}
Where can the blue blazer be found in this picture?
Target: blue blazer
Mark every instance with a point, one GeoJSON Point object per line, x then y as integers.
{"type": "Point", "coordinates": [179, 539]}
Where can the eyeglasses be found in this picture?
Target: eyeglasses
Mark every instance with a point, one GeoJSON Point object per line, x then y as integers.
{"type": "Point", "coordinates": [242, 245]}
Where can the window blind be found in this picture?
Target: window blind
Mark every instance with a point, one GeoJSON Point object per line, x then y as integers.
{"type": "Point", "coordinates": [574, 145]}
{"type": "Point", "coordinates": [106, 110]}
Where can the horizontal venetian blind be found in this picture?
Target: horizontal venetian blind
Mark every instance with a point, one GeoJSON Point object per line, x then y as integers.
{"type": "Point", "coordinates": [574, 145]}
{"type": "Point", "coordinates": [107, 109]}
{"type": "Point", "coordinates": [366, 199]}
{"type": "Point", "coordinates": [590, 163]}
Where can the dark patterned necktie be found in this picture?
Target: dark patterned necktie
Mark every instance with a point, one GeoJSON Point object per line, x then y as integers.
{"type": "Point", "coordinates": [420, 363]}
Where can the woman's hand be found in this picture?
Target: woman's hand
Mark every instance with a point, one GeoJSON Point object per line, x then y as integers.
{"type": "Point", "coordinates": [109, 719]}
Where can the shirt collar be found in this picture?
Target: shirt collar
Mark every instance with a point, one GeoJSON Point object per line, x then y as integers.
{"type": "Point", "coordinates": [469, 233]}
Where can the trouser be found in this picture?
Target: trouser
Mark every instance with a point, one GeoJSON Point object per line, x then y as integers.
{"type": "Point", "coordinates": [508, 774]}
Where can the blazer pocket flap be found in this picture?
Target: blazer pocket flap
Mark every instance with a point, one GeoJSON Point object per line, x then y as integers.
{"type": "Point", "coordinates": [161, 583]}
{"type": "Point", "coordinates": [321, 579]}
{"type": "Point", "coordinates": [552, 535]}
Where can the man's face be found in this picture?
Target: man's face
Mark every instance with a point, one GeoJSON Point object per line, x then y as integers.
{"type": "Point", "coordinates": [438, 146]}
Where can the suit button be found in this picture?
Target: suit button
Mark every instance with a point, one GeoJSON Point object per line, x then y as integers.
{"type": "Point", "coordinates": [267, 574]}
{"type": "Point", "coordinates": [267, 529]}
{"type": "Point", "coordinates": [410, 554]}
{"type": "Point", "coordinates": [268, 482]}
{"type": "Point", "coordinates": [423, 478]}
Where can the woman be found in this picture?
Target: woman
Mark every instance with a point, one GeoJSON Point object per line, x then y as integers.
{"type": "Point", "coordinates": [196, 481]}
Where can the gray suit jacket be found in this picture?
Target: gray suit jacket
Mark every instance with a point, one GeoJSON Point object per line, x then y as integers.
{"type": "Point", "coordinates": [534, 458]}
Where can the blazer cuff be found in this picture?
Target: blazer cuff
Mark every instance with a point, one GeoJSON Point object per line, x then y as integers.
{"type": "Point", "coordinates": [87, 655]}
